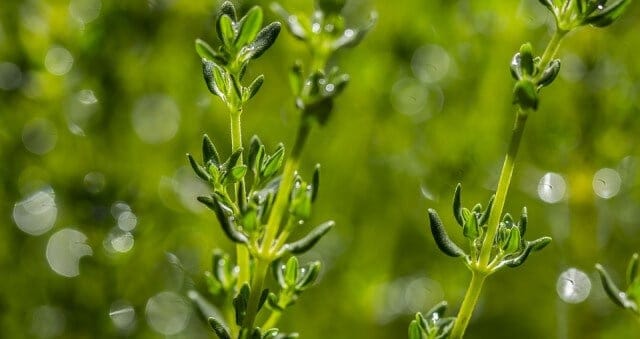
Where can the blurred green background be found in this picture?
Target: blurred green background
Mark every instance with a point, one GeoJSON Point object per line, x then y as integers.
{"type": "Point", "coordinates": [100, 100]}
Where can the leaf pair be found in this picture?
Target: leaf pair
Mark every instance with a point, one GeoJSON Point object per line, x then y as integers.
{"type": "Point", "coordinates": [433, 325]}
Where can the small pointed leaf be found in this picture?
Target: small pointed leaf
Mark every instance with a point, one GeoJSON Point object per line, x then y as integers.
{"type": "Point", "coordinates": [446, 245]}
{"type": "Point", "coordinates": [249, 26]}
{"type": "Point", "coordinates": [306, 243]}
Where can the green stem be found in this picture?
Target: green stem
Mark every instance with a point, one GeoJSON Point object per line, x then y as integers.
{"type": "Point", "coordinates": [272, 320]}
{"type": "Point", "coordinates": [280, 205]}
{"type": "Point", "coordinates": [242, 252]}
{"type": "Point", "coordinates": [503, 187]}
{"type": "Point", "coordinates": [552, 48]}
{"type": "Point", "coordinates": [468, 305]}
{"type": "Point", "coordinates": [257, 284]}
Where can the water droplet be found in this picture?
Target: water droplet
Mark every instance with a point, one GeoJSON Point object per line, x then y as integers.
{"type": "Point", "coordinates": [430, 63]}
{"type": "Point", "coordinates": [408, 96]}
{"type": "Point", "coordinates": [127, 221]}
{"type": "Point", "coordinates": [87, 97]}
{"type": "Point", "coordinates": [551, 188]}
{"type": "Point", "coordinates": [329, 88]}
{"type": "Point", "coordinates": [123, 243]}
{"type": "Point", "coordinates": [47, 322]}
{"type": "Point", "coordinates": [118, 208]}
{"type": "Point", "coordinates": [573, 286]}
{"type": "Point", "coordinates": [37, 213]}
{"type": "Point", "coordinates": [94, 182]}
{"type": "Point", "coordinates": [39, 136]}
{"type": "Point", "coordinates": [315, 28]}
{"type": "Point", "coordinates": [85, 11]}
{"type": "Point", "coordinates": [58, 61]}
{"type": "Point", "coordinates": [606, 183]}
{"type": "Point", "coordinates": [118, 241]}
{"type": "Point", "coordinates": [65, 248]}
{"type": "Point", "coordinates": [10, 76]}
{"type": "Point", "coordinates": [155, 118]}
{"type": "Point", "coordinates": [122, 314]}
{"type": "Point", "coordinates": [167, 313]}
{"type": "Point", "coordinates": [600, 7]}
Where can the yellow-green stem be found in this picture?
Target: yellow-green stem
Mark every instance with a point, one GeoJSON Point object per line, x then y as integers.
{"type": "Point", "coordinates": [503, 187]}
{"type": "Point", "coordinates": [552, 48]}
{"type": "Point", "coordinates": [242, 253]}
{"type": "Point", "coordinates": [257, 284]}
{"type": "Point", "coordinates": [280, 205]}
{"type": "Point", "coordinates": [468, 305]}
{"type": "Point", "coordinates": [273, 319]}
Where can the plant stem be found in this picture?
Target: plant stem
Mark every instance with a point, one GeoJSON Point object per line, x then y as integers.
{"type": "Point", "coordinates": [468, 304]}
{"type": "Point", "coordinates": [242, 252]}
{"type": "Point", "coordinates": [272, 320]}
{"type": "Point", "coordinates": [503, 187]}
{"type": "Point", "coordinates": [286, 182]}
{"type": "Point", "coordinates": [259, 275]}
{"type": "Point", "coordinates": [552, 48]}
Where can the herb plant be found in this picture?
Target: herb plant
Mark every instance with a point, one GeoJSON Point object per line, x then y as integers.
{"type": "Point", "coordinates": [630, 297]}
{"type": "Point", "coordinates": [258, 197]}
{"type": "Point", "coordinates": [497, 240]}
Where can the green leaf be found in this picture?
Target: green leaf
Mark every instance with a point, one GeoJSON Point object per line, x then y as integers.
{"type": "Point", "coordinates": [209, 151]}
{"type": "Point", "coordinates": [525, 94]}
{"type": "Point", "coordinates": [291, 271]}
{"type": "Point", "coordinates": [439, 309]}
{"type": "Point", "coordinates": [414, 330]}
{"type": "Point", "coordinates": [296, 78]}
{"type": "Point", "coordinates": [263, 298]}
{"type": "Point", "coordinates": [256, 154]}
{"type": "Point", "coordinates": [296, 28]}
{"type": "Point", "coordinates": [446, 245]}
{"type": "Point", "coordinates": [249, 26]}
{"type": "Point", "coordinates": [470, 229]}
{"type": "Point", "coordinates": [254, 87]}
{"type": "Point", "coordinates": [513, 241]}
{"type": "Point", "coordinates": [606, 16]}
{"type": "Point", "coordinates": [227, 8]}
{"type": "Point", "coordinates": [238, 172]}
{"type": "Point", "coordinates": [265, 39]}
{"type": "Point", "coordinates": [309, 275]}
{"type": "Point", "coordinates": [315, 184]}
{"type": "Point", "coordinates": [549, 4]}
{"type": "Point", "coordinates": [526, 59]}
{"type": "Point", "coordinates": [199, 170]}
{"type": "Point", "coordinates": [227, 222]}
{"type": "Point", "coordinates": [632, 269]}
{"type": "Point", "coordinates": [614, 293]}
{"type": "Point", "coordinates": [273, 163]}
{"type": "Point", "coordinates": [211, 72]}
{"type": "Point", "coordinates": [273, 302]}
{"type": "Point", "coordinates": [226, 32]}
{"type": "Point", "coordinates": [219, 328]}
{"type": "Point", "coordinates": [457, 204]}
{"type": "Point", "coordinates": [484, 217]}
{"type": "Point", "coordinates": [241, 302]}
{"type": "Point", "coordinates": [277, 268]}
{"type": "Point", "coordinates": [235, 158]}
{"type": "Point", "coordinates": [351, 37]}
{"type": "Point", "coordinates": [540, 243]}
{"type": "Point", "coordinates": [522, 224]}
{"type": "Point", "coordinates": [205, 51]}
{"type": "Point", "coordinates": [306, 243]}
{"type": "Point", "coordinates": [549, 74]}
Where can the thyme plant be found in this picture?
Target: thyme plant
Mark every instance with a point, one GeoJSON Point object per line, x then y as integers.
{"type": "Point", "coordinates": [496, 240]}
{"type": "Point", "coordinates": [258, 196]}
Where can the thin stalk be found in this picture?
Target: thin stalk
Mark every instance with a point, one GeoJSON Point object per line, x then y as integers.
{"type": "Point", "coordinates": [257, 284]}
{"type": "Point", "coordinates": [273, 319]}
{"type": "Point", "coordinates": [468, 305]}
{"type": "Point", "coordinates": [503, 187]}
{"type": "Point", "coordinates": [286, 182]}
{"type": "Point", "coordinates": [552, 48]}
{"type": "Point", "coordinates": [242, 252]}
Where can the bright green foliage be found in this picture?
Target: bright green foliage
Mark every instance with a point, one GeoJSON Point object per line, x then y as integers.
{"type": "Point", "coordinates": [432, 325]}
{"type": "Point", "coordinates": [259, 198]}
{"type": "Point", "coordinates": [598, 13]}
